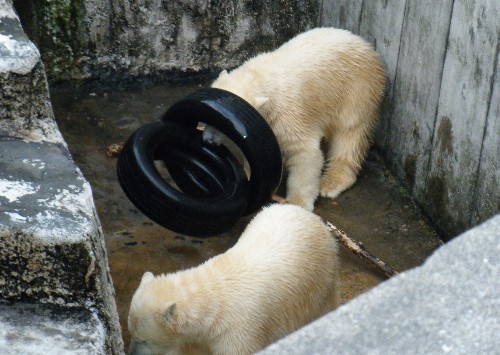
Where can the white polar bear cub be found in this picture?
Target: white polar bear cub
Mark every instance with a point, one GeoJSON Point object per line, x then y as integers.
{"type": "Point", "coordinates": [279, 276]}
{"type": "Point", "coordinates": [325, 83]}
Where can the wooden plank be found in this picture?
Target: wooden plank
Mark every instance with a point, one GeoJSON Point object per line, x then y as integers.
{"type": "Point", "coordinates": [381, 24]}
{"type": "Point", "coordinates": [462, 111]}
{"type": "Point", "coordinates": [488, 181]}
{"type": "Point", "coordinates": [416, 90]}
{"type": "Point", "coordinates": [343, 14]}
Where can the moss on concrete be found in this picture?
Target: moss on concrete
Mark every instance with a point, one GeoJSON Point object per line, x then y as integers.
{"type": "Point", "coordinates": [59, 30]}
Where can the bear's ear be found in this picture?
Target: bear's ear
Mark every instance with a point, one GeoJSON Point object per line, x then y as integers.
{"type": "Point", "coordinates": [169, 312]}
{"type": "Point", "coordinates": [223, 73]}
{"type": "Point", "coordinates": [148, 276]}
{"type": "Point", "coordinates": [260, 101]}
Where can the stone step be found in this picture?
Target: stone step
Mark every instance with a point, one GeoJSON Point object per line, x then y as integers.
{"type": "Point", "coordinates": [48, 329]}
{"type": "Point", "coordinates": [52, 244]}
{"type": "Point", "coordinates": [47, 228]}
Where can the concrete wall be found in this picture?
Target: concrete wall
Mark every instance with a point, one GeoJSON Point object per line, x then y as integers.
{"type": "Point", "coordinates": [440, 126]}
{"type": "Point", "coordinates": [100, 38]}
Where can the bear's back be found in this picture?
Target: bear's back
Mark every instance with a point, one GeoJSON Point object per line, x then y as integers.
{"type": "Point", "coordinates": [318, 49]}
{"type": "Point", "coordinates": [282, 243]}
{"type": "Point", "coordinates": [287, 262]}
{"type": "Point", "coordinates": [281, 230]}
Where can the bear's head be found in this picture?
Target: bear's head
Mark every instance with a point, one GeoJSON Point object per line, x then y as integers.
{"type": "Point", "coordinates": [245, 84]}
{"type": "Point", "coordinates": [152, 320]}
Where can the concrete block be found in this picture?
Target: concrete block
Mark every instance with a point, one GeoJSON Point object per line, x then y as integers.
{"type": "Point", "coordinates": [46, 224]}
{"type": "Point", "coordinates": [25, 109]}
{"type": "Point", "coordinates": [48, 329]}
{"type": "Point", "coordinates": [451, 304]}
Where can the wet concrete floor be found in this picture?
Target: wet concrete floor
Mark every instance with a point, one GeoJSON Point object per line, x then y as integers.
{"type": "Point", "coordinates": [376, 211]}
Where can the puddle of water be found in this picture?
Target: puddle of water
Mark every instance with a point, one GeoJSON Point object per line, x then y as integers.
{"type": "Point", "coordinates": [375, 211]}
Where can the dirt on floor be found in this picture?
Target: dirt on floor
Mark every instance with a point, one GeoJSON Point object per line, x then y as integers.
{"type": "Point", "coordinates": [376, 211]}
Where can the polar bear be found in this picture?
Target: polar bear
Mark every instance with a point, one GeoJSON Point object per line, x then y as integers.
{"type": "Point", "coordinates": [326, 84]}
{"type": "Point", "coordinates": [280, 275]}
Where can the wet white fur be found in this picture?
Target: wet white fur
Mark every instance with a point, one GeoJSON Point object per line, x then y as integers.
{"type": "Point", "coordinates": [279, 276]}
{"type": "Point", "coordinates": [323, 84]}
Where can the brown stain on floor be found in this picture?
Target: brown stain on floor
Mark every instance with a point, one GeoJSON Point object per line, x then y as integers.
{"type": "Point", "coordinates": [376, 210]}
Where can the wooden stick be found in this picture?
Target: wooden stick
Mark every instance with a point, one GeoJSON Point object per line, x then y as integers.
{"type": "Point", "coordinates": [354, 246]}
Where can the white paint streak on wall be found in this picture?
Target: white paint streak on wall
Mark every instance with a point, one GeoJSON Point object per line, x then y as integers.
{"type": "Point", "coordinates": [17, 56]}
{"type": "Point", "coordinates": [13, 190]}
{"type": "Point", "coordinates": [16, 217]}
{"type": "Point", "coordinates": [74, 200]}
{"type": "Point", "coordinates": [36, 163]}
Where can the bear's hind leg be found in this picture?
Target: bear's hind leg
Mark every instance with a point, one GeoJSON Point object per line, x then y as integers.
{"type": "Point", "coordinates": [347, 150]}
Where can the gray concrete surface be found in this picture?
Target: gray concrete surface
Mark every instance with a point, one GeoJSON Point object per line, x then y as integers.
{"type": "Point", "coordinates": [52, 244]}
{"type": "Point", "coordinates": [46, 220]}
{"type": "Point", "coordinates": [48, 329]}
{"type": "Point", "coordinates": [449, 305]}
{"type": "Point", "coordinates": [25, 109]}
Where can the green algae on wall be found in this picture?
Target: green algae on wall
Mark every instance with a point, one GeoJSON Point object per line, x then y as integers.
{"type": "Point", "coordinates": [58, 28]}
{"type": "Point", "coordinates": [61, 23]}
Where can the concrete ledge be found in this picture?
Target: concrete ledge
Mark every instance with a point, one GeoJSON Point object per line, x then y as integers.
{"type": "Point", "coordinates": [19, 55]}
{"type": "Point", "coordinates": [53, 255]}
{"type": "Point", "coordinates": [52, 244]}
{"type": "Point", "coordinates": [48, 329]}
{"type": "Point", "coordinates": [451, 304]}
{"type": "Point", "coordinates": [46, 221]}
{"type": "Point", "coordinates": [25, 109]}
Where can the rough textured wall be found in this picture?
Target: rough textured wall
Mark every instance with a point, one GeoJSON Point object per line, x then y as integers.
{"type": "Point", "coordinates": [103, 38]}
{"type": "Point", "coordinates": [25, 109]}
{"type": "Point", "coordinates": [440, 125]}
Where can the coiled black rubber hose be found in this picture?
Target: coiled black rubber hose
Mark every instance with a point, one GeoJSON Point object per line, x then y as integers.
{"type": "Point", "coordinates": [212, 191]}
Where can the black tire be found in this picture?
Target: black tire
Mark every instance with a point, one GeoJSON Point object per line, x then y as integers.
{"type": "Point", "coordinates": [199, 170]}
{"type": "Point", "coordinates": [213, 169]}
{"type": "Point", "coordinates": [241, 123]}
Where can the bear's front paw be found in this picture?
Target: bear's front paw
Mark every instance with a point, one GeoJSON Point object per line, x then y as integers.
{"type": "Point", "coordinates": [329, 192]}
{"type": "Point", "coordinates": [332, 187]}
